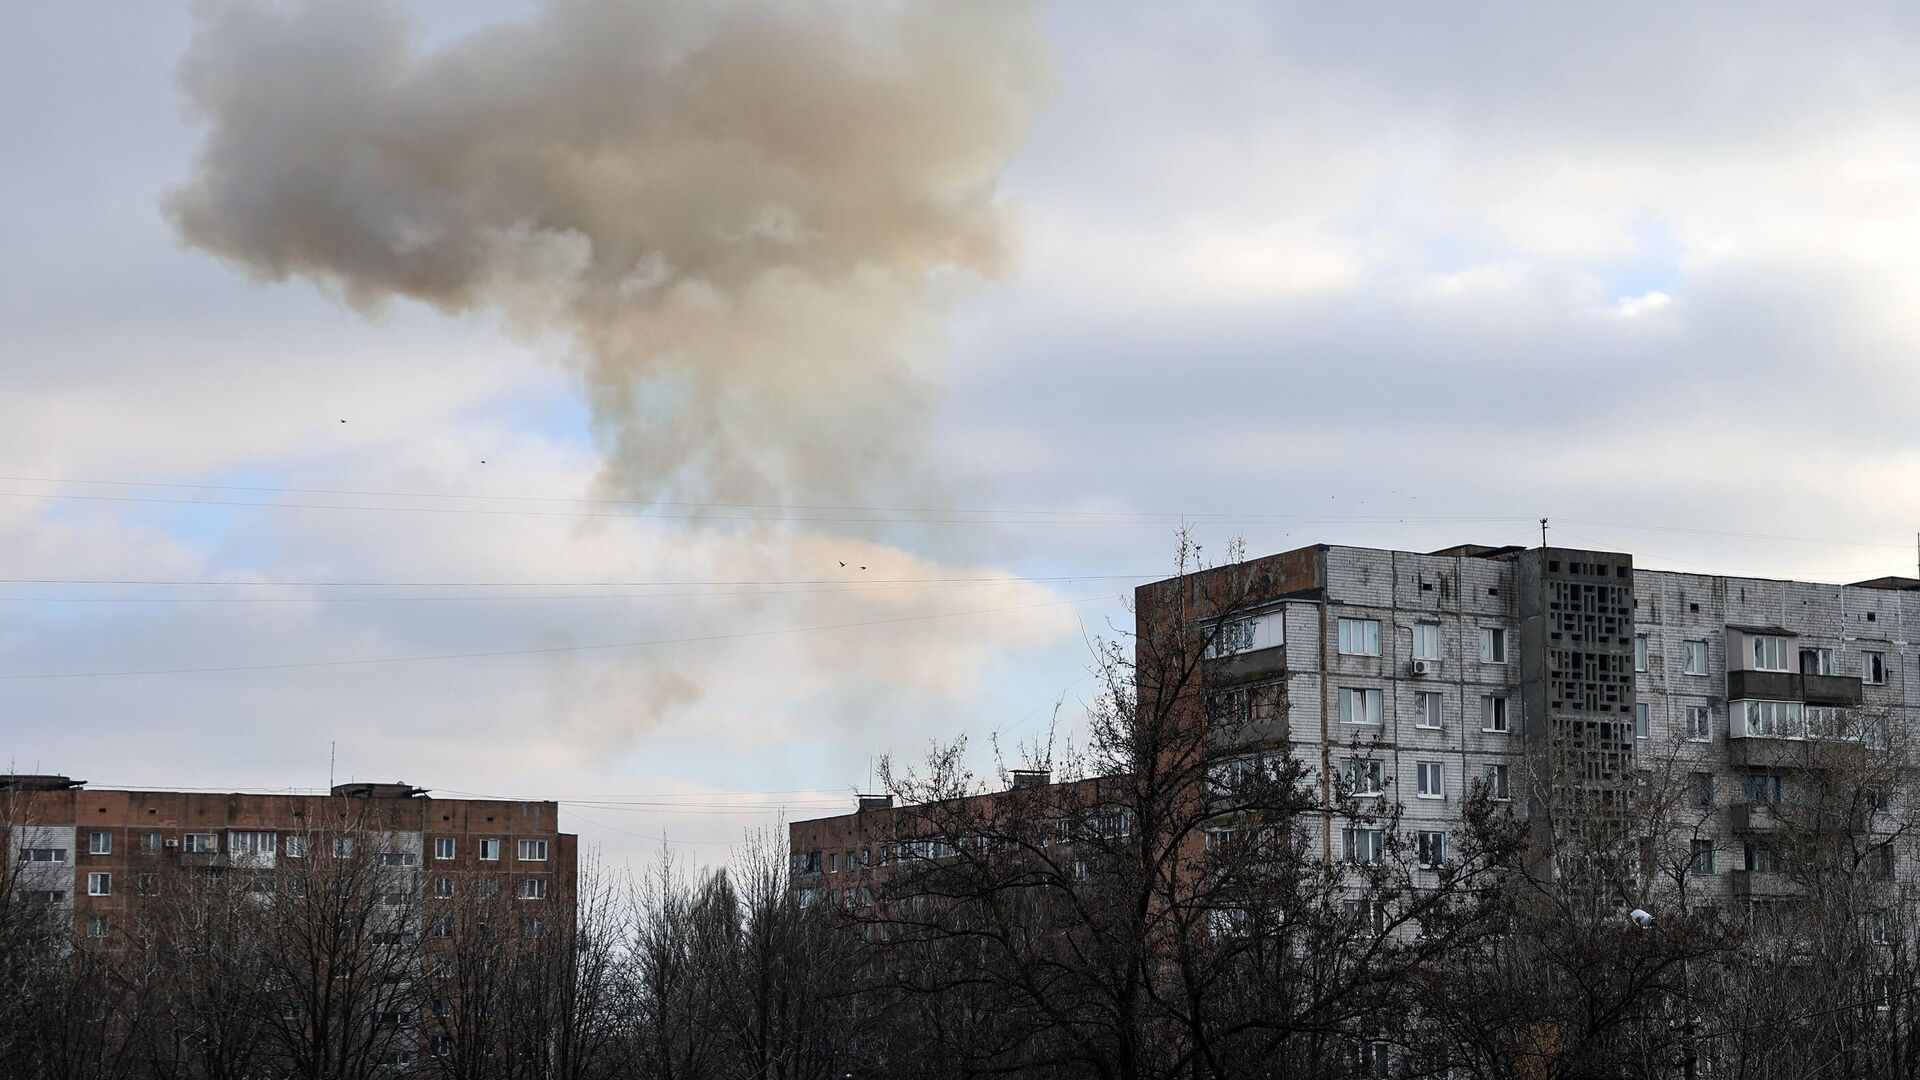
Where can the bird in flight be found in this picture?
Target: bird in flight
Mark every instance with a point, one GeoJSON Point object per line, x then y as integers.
{"type": "Point", "coordinates": [843, 563]}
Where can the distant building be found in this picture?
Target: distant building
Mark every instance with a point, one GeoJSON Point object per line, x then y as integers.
{"type": "Point", "coordinates": [104, 855]}
{"type": "Point", "coordinates": [1539, 673]}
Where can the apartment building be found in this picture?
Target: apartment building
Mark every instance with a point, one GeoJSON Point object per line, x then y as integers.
{"type": "Point", "coordinates": [105, 855]}
{"type": "Point", "coordinates": [1413, 676]}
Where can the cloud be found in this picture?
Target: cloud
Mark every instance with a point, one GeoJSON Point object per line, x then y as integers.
{"type": "Point", "coordinates": [742, 215]}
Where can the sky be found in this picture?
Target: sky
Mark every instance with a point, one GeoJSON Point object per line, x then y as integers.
{"type": "Point", "coordinates": [674, 409]}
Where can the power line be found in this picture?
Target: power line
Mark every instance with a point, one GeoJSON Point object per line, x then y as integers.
{"type": "Point", "coordinates": [657, 583]}
{"type": "Point", "coordinates": [846, 589]}
{"type": "Point", "coordinates": [1075, 518]}
{"type": "Point", "coordinates": [490, 654]}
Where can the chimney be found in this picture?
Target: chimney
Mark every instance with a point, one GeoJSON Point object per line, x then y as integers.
{"type": "Point", "coordinates": [1025, 778]}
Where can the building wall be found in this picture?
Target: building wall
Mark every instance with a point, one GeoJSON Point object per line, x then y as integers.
{"type": "Point", "coordinates": [1311, 588]}
{"type": "Point", "coordinates": [406, 826]}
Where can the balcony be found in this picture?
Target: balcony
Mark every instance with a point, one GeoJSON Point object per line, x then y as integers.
{"type": "Point", "coordinates": [1793, 686]}
{"type": "Point", "coordinates": [1248, 665]}
{"type": "Point", "coordinates": [1747, 883]}
{"type": "Point", "coordinates": [1752, 817]}
{"type": "Point", "coordinates": [1776, 752]}
{"type": "Point", "coordinates": [204, 860]}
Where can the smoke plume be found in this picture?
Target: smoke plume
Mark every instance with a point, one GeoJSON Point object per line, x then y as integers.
{"type": "Point", "coordinates": [740, 213]}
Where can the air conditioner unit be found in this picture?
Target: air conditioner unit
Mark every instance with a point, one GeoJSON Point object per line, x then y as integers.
{"type": "Point", "coordinates": [173, 841]}
{"type": "Point", "coordinates": [1425, 667]}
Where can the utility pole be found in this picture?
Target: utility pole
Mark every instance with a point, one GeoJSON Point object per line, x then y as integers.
{"type": "Point", "coordinates": [1543, 532]}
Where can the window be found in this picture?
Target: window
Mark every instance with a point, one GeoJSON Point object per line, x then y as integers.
{"type": "Point", "coordinates": [443, 847]}
{"type": "Point", "coordinates": [1363, 776]}
{"type": "Point", "coordinates": [1769, 653]}
{"type": "Point", "coordinates": [533, 888]}
{"type": "Point", "coordinates": [1493, 645]}
{"type": "Point", "coordinates": [1760, 859]}
{"type": "Point", "coordinates": [536, 851]}
{"type": "Point", "coordinates": [1816, 661]}
{"type": "Point", "coordinates": [443, 927]}
{"type": "Point", "coordinates": [250, 843]}
{"type": "Point", "coordinates": [153, 841]}
{"type": "Point", "coordinates": [1433, 784]}
{"type": "Point", "coordinates": [1642, 720]}
{"type": "Point", "coordinates": [1880, 863]}
{"type": "Point", "coordinates": [813, 862]}
{"type": "Point", "coordinates": [487, 888]}
{"type": "Point", "coordinates": [1360, 706]}
{"type": "Point", "coordinates": [833, 862]}
{"type": "Point", "coordinates": [1700, 790]}
{"type": "Point", "coordinates": [100, 843]}
{"type": "Point", "coordinates": [99, 884]}
{"type": "Point", "coordinates": [97, 926]}
{"type": "Point", "coordinates": [200, 843]}
{"type": "Point", "coordinates": [1763, 786]}
{"type": "Point", "coordinates": [1365, 845]}
{"type": "Point", "coordinates": [296, 846]}
{"type": "Point", "coordinates": [45, 854]}
{"type": "Point", "coordinates": [1702, 862]}
{"type": "Point", "coordinates": [399, 858]}
{"type": "Point", "coordinates": [1699, 723]}
{"type": "Point", "coordinates": [147, 884]}
{"type": "Point", "coordinates": [1496, 782]}
{"type": "Point", "coordinates": [1694, 657]}
{"type": "Point", "coordinates": [1880, 927]}
{"type": "Point", "coordinates": [1873, 669]}
{"type": "Point", "coordinates": [343, 847]}
{"type": "Point", "coordinates": [1429, 705]}
{"type": "Point", "coordinates": [490, 850]}
{"type": "Point", "coordinates": [1360, 637]}
{"type": "Point", "coordinates": [1640, 653]}
{"type": "Point", "coordinates": [1776, 719]}
{"type": "Point", "coordinates": [443, 888]}
{"type": "Point", "coordinates": [1493, 713]}
{"type": "Point", "coordinates": [1426, 641]}
{"type": "Point", "coordinates": [1429, 849]}
{"type": "Point", "coordinates": [1232, 708]}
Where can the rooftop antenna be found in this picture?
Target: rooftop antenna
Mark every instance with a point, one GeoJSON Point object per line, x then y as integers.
{"type": "Point", "coordinates": [1543, 532]}
{"type": "Point", "coordinates": [330, 748]}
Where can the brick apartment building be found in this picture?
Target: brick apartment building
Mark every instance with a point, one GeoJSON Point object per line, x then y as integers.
{"type": "Point", "coordinates": [1411, 676]}
{"type": "Point", "coordinates": [104, 855]}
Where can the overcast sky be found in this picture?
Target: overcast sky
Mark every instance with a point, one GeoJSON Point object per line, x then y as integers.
{"type": "Point", "coordinates": [1047, 279]}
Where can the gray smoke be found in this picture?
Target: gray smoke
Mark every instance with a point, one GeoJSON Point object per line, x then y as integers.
{"type": "Point", "coordinates": [741, 213]}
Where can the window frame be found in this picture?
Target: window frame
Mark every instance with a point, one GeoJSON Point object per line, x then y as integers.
{"type": "Point", "coordinates": [445, 848]}
{"type": "Point", "coordinates": [1869, 660]}
{"type": "Point", "coordinates": [1433, 719]}
{"type": "Point", "coordinates": [1700, 861]}
{"type": "Point", "coordinates": [1689, 650]}
{"type": "Point", "coordinates": [1431, 632]}
{"type": "Point", "coordinates": [1495, 639]}
{"type": "Point", "coordinates": [99, 883]}
{"type": "Point", "coordinates": [1374, 771]}
{"type": "Point", "coordinates": [1641, 654]}
{"type": "Point", "coordinates": [1373, 716]}
{"type": "Point", "coordinates": [489, 843]}
{"type": "Point", "coordinates": [1701, 732]}
{"type": "Point", "coordinates": [1498, 778]}
{"type": "Point", "coordinates": [1642, 720]}
{"type": "Point", "coordinates": [532, 888]}
{"type": "Point", "coordinates": [522, 847]}
{"type": "Point", "coordinates": [1430, 780]}
{"type": "Point", "coordinates": [100, 841]}
{"type": "Point", "coordinates": [1759, 645]}
{"type": "Point", "coordinates": [1430, 848]}
{"type": "Point", "coordinates": [200, 843]}
{"type": "Point", "coordinates": [1369, 633]}
{"type": "Point", "coordinates": [1496, 714]}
